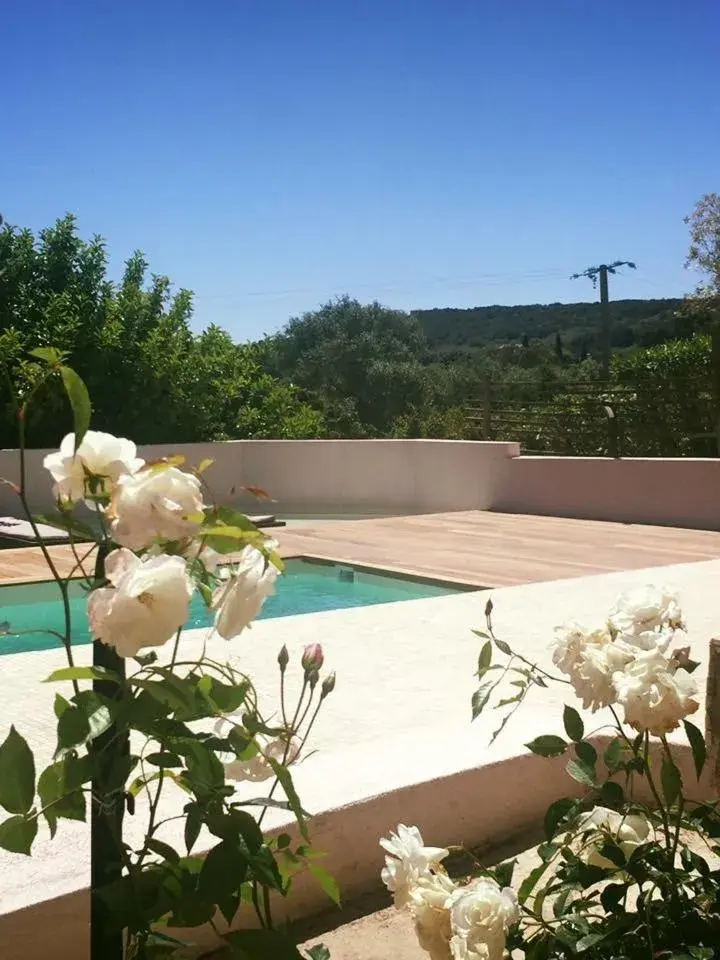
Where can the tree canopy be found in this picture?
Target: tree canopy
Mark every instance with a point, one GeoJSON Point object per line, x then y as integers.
{"type": "Point", "coordinates": [150, 376]}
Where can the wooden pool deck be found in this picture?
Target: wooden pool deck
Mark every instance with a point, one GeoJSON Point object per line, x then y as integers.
{"type": "Point", "coordinates": [472, 547]}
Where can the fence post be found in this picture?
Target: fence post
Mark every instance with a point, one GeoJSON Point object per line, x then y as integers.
{"type": "Point", "coordinates": [487, 408]}
{"type": "Point", "coordinates": [712, 713]}
{"type": "Point", "coordinates": [612, 425]}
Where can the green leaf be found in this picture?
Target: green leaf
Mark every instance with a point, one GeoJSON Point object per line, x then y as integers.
{"type": "Point", "coordinates": [17, 834]}
{"type": "Point", "coordinates": [503, 647]}
{"type": "Point", "coordinates": [480, 699]}
{"type": "Point", "coordinates": [164, 759]}
{"type": "Point", "coordinates": [671, 780]}
{"type": "Point", "coordinates": [547, 745]}
{"type": "Point", "coordinates": [223, 872]}
{"type": "Point", "coordinates": [697, 745]}
{"type": "Point", "coordinates": [72, 728]}
{"type": "Point", "coordinates": [503, 872]}
{"type": "Point", "coordinates": [581, 771]}
{"type": "Point", "coordinates": [57, 789]}
{"type": "Point", "coordinates": [326, 881]}
{"type": "Point", "coordinates": [262, 945]}
{"type": "Point", "coordinates": [586, 752]}
{"type": "Point", "coordinates": [163, 850]}
{"type": "Point", "coordinates": [528, 884]}
{"type": "Point", "coordinates": [613, 755]}
{"type": "Point", "coordinates": [50, 355]}
{"type": "Point", "coordinates": [557, 812]}
{"type": "Point", "coordinates": [82, 673]}
{"type": "Point", "coordinates": [485, 658]}
{"type": "Point", "coordinates": [612, 793]}
{"type": "Point", "coordinates": [79, 401]}
{"type": "Point", "coordinates": [60, 705]}
{"type": "Point", "coordinates": [193, 823]}
{"type": "Point", "coordinates": [17, 774]}
{"type": "Point", "coordinates": [286, 782]}
{"type": "Point", "coordinates": [572, 721]}
{"type": "Point", "coordinates": [318, 952]}
{"type": "Point", "coordinates": [590, 940]}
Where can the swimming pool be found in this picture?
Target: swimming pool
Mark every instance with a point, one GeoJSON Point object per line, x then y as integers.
{"type": "Point", "coordinates": [307, 587]}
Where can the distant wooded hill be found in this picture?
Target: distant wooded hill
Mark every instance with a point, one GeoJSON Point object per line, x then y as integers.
{"type": "Point", "coordinates": [642, 323]}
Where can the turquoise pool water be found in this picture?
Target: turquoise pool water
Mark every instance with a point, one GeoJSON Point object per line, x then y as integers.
{"type": "Point", "coordinates": [305, 588]}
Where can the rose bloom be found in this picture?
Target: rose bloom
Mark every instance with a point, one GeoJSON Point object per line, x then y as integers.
{"type": "Point", "coordinates": [645, 609]}
{"type": "Point", "coordinates": [100, 461]}
{"type": "Point", "coordinates": [655, 697]}
{"type": "Point", "coordinates": [158, 503]}
{"type": "Point", "coordinates": [240, 598]}
{"type": "Point", "coordinates": [146, 604]}
{"type": "Point", "coordinates": [627, 831]}
{"type": "Point", "coordinates": [593, 678]}
{"type": "Point", "coordinates": [480, 916]}
{"type": "Point", "coordinates": [429, 906]}
{"type": "Point", "coordinates": [257, 768]}
{"type": "Point", "coordinates": [409, 860]}
{"type": "Point", "coordinates": [589, 658]}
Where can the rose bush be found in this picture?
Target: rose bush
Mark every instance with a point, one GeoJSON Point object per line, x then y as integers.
{"type": "Point", "coordinates": [628, 868]}
{"type": "Point", "coordinates": [156, 713]}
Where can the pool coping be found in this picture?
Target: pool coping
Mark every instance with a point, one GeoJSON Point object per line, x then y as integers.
{"type": "Point", "coordinates": [462, 584]}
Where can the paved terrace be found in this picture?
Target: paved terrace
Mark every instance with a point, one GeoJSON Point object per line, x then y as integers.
{"type": "Point", "coordinates": [473, 547]}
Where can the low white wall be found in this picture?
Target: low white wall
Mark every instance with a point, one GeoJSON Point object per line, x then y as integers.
{"type": "Point", "coordinates": [673, 492]}
{"type": "Point", "coordinates": [412, 476]}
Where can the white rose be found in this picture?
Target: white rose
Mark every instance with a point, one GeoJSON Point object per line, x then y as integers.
{"type": "Point", "coordinates": [429, 906]}
{"type": "Point", "coordinates": [643, 610]}
{"type": "Point", "coordinates": [409, 860]}
{"type": "Point", "coordinates": [593, 678]}
{"type": "Point", "coordinates": [627, 831]}
{"type": "Point", "coordinates": [240, 598]}
{"type": "Point", "coordinates": [159, 502]}
{"type": "Point", "coordinates": [590, 658]}
{"type": "Point", "coordinates": [654, 697]}
{"type": "Point", "coordinates": [146, 605]}
{"type": "Point", "coordinates": [257, 768]}
{"type": "Point", "coordinates": [480, 917]}
{"type": "Point", "coordinates": [100, 461]}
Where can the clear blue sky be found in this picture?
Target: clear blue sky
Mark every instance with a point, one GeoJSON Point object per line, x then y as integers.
{"type": "Point", "coordinates": [269, 154]}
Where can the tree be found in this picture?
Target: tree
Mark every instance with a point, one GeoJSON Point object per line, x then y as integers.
{"type": "Point", "coordinates": [559, 348]}
{"type": "Point", "coordinates": [704, 253]}
{"type": "Point", "coordinates": [168, 384]}
{"type": "Point", "coordinates": [362, 364]}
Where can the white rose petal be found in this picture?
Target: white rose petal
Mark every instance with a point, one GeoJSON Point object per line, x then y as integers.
{"type": "Point", "coordinates": [240, 598]}
{"type": "Point", "coordinates": [655, 698]}
{"type": "Point", "coordinates": [627, 831]}
{"type": "Point", "coordinates": [258, 768]}
{"type": "Point", "coordinates": [155, 503]}
{"type": "Point", "coordinates": [146, 605]}
{"type": "Point", "coordinates": [645, 609]}
{"type": "Point", "coordinates": [100, 461]}
{"type": "Point", "coordinates": [594, 678]}
{"type": "Point", "coordinates": [429, 906]}
{"type": "Point", "coordinates": [409, 860]}
{"type": "Point", "coordinates": [480, 917]}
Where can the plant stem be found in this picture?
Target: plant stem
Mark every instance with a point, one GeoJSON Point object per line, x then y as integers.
{"type": "Point", "coordinates": [655, 793]}
{"type": "Point", "coordinates": [109, 752]}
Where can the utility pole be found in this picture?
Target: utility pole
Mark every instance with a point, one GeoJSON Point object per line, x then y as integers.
{"type": "Point", "coordinates": [601, 272]}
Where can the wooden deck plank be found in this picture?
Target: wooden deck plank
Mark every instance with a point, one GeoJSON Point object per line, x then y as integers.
{"type": "Point", "coordinates": [472, 547]}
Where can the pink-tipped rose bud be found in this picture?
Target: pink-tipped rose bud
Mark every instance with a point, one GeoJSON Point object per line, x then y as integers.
{"type": "Point", "coordinates": [312, 658]}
